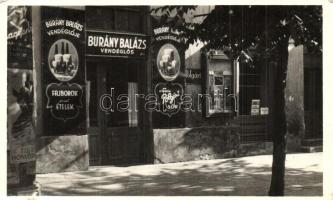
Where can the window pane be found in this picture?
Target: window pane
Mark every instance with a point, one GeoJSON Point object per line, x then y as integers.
{"type": "Point", "coordinates": [92, 94]}
{"type": "Point", "coordinates": [123, 78]}
{"type": "Point", "coordinates": [100, 18]}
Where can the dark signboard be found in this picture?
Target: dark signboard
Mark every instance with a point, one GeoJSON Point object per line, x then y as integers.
{"type": "Point", "coordinates": [108, 44]}
{"type": "Point", "coordinates": [168, 59]}
{"type": "Point", "coordinates": [19, 42]}
{"type": "Point", "coordinates": [63, 71]}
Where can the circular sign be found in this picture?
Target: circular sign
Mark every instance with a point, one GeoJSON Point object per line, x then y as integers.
{"type": "Point", "coordinates": [168, 62]}
{"type": "Point", "coordinates": [63, 60]}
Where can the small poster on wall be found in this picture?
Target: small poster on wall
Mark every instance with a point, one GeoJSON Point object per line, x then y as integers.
{"type": "Point", "coordinates": [264, 111]}
{"type": "Point", "coordinates": [63, 74]}
{"type": "Point", "coordinates": [255, 107]}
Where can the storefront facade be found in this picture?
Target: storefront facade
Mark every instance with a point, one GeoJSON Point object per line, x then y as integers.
{"type": "Point", "coordinates": [129, 92]}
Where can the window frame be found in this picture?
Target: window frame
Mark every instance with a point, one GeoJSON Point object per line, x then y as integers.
{"type": "Point", "coordinates": [207, 59]}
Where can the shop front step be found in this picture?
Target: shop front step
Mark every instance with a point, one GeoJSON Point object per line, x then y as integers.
{"type": "Point", "coordinates": [311, 149]}
{"type": "Point", "coordinates": [312, 142]}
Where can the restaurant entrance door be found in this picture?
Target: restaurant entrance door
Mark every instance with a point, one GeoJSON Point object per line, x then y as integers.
{"type": "Point", "coordinates": [118, 140]}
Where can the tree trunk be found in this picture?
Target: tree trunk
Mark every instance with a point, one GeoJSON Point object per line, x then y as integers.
{"type": "Point", "coordinates": [279, 131]}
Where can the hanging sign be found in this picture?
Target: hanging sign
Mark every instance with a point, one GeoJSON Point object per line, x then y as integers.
{"type": "Point", "coordinates": [63, 74]}
{"type": "Point", "coordinates": [108, 44]}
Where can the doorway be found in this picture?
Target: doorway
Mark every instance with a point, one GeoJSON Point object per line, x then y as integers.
{"type": "Point", "coordinates": [114, 128]}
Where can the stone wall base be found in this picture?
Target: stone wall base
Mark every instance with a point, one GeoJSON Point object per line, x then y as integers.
{"type": "Point", "coordinates": [186, 144]}
{"type": "Point", "coordinates": [293, 143]}
{"type": "Point", "coordinates": [62, 154]}
{"type": "Point", "coordinates": [256, 148]}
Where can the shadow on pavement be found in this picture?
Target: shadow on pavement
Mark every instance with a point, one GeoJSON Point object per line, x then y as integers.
{"type": "Point", "coordinates": [231, 177]}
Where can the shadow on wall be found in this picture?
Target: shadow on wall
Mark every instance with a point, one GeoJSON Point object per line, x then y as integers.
{"type": "Point", "coordinates": [176, 145]}
{"type": "Point", "coordinates": [236, 177]}
{"type": "Point", "coordinates": [62, 153]}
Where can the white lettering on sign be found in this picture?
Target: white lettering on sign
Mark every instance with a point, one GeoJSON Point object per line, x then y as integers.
{"type": "Point", "coordinates": [75, 25]}
{"type": "Point", "coordinates": [72, 31]}
{"type": "Point", "coordinates": [118, 51]}
{"type": "Point", "coordinates": [62, 31]}
{"type": "Point", "coordinates": [161, 30]}
{"type": "Point", "coordinates": [168, 99]}
{"type": "Point", "coordinates": [193, 75]}
{"type": "Point", "coordinates": [64, 93]}
{"type": "Point", "coordinates": [55, 22]}
{"type": "Point", "coordinates": [62, 22]}
{"type": "Point", "coordinates": [116, 42]}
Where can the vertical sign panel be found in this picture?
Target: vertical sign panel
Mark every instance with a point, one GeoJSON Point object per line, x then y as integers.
{"type": "Point", "coordinates": [63, 71]}
{"type": "Point", "coordinates": [168, 48]}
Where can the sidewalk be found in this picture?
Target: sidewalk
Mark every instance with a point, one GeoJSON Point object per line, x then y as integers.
{"type": "Point", "coordinates": [230, 177]}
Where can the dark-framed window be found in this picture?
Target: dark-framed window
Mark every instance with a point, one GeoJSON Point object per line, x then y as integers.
{"type": "Point", "coordinates": [250, 86]}
{"type": "Point", "coordinates": [219, 84]}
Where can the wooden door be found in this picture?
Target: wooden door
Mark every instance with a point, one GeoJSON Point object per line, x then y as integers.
{"type": "Point", "coordinates": [121, 135]}
{"type": "Point", "coordinates": [95, 88]}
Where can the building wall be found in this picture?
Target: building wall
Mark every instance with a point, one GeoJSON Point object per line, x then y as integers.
{"type": "Point", "coordinates": [53, 153]}
{"type": "Point", "coordinates": [200, 137]}
{"type": "Point", "coordinates": [199, 143]}
{"type": "Point", "coordinates": [207, 137]}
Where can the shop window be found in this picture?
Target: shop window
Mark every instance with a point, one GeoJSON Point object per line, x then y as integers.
{"type": "Point", "coordinates": [219, 85]}
{"type": "Point", "coordinates": [249, 87]}
{"type": "Point", "coordinates": [128, 20]}
{"type": "Point", "coordinates": [100, 17]}
{"type": "Point", "coordinates": [92, 95]}
{"type": "Point", "coordinates": [114, 18]}
{"type": "Point", "coordinates": [312, 89]}
{"type": "Point", "coordinates": [123, 78]}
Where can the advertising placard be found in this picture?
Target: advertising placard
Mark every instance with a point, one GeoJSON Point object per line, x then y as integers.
{"type": "Point", "coordinates": [63, 75]}
{"type": "Point", "coordinates": [19, 37]}
{"type": "Point", "coordinates": [264, 111]}
{"type": "Point", "coordinates": [168, 63]}
{"type": "Point", "coordinates": [22, 153]}
{"type": "Point", "coordinates": [255, 107]}
{"type": "Point", "coordinates": [108, 44]}
{"type": "Point", "coordinates": [20, 132]}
